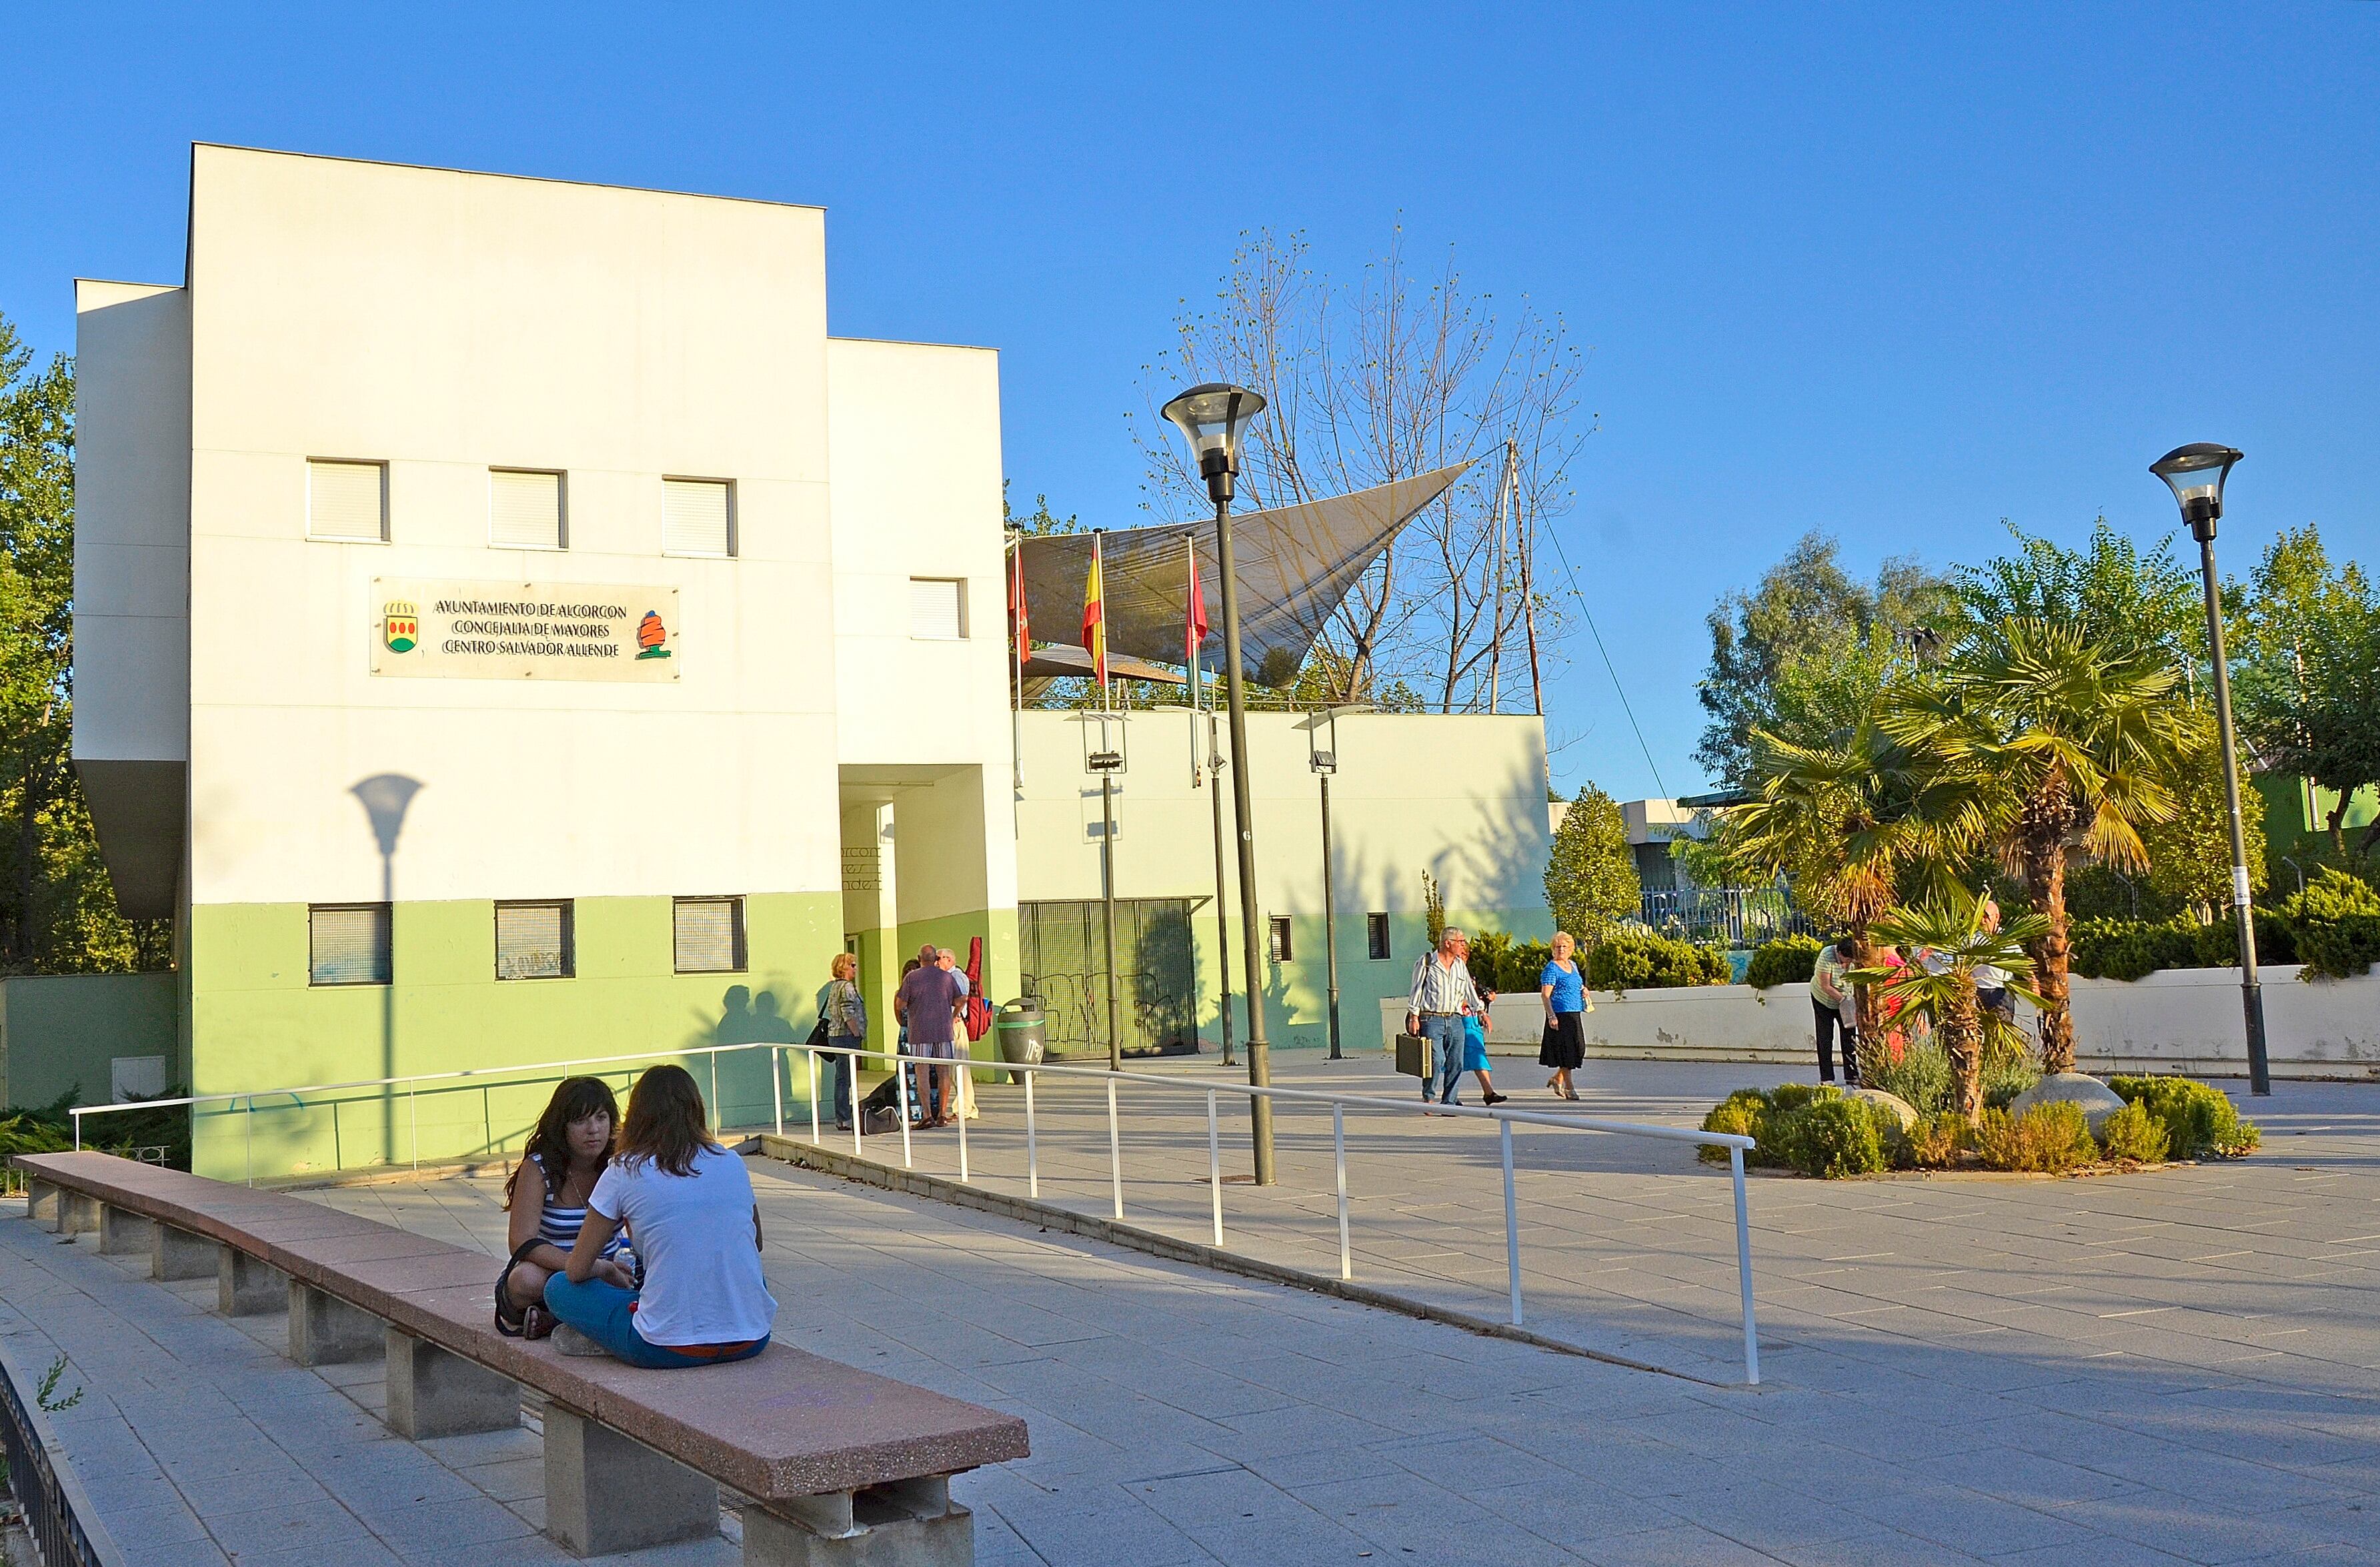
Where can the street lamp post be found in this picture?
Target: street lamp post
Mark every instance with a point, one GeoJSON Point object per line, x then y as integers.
{"type": "Point", "coordinates": [1322, 756]}
{"type": "Point", "coordinates": [1212, 415]}
{"type": "Point", "coordinates": [2195, 474]}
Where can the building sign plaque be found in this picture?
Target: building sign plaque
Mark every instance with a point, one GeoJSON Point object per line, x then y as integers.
{"type": "Point", "coordinates": [459, 630]}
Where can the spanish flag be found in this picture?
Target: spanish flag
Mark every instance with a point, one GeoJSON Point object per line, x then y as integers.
{"type": "Point", "coordinates": [1094, 630]}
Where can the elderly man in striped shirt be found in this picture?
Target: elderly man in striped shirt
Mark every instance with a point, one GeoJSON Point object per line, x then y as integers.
{"type": "Point", "coordinates": [1442, 990]}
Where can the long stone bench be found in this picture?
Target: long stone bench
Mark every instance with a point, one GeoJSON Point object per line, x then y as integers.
{"type": "Point", "coordinates": [845, 1466]}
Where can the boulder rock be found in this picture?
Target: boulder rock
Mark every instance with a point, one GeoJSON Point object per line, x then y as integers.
{"type": "Point", "coordinates": [2098, 1100]}
{"type": "Point", "coordinates": [1893, 1102]}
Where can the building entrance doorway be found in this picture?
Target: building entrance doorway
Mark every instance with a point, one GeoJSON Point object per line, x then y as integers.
{"type": "Point", "coordinates": [1064, 961]}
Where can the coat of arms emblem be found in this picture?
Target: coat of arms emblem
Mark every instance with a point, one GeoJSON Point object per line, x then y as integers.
{"type": "Point", "coordinates": [400, 626]}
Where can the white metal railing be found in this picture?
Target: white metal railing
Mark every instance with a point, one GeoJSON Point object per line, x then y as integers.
{"type": "Point", "coordinates": [1027, 1073]}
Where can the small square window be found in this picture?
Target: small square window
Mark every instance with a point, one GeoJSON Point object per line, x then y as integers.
{"type": "Point", "coordinates": [1376, 934]}
{"type": "Point", "coordinates": [525, 510]}
{"type": "Point", "coordinates": [347, 944]}
{"type": "Point", "coordinates": [348, 501]}
{"type": "Point", "coordinates": [1282, 949]}
{"type": "Point", "coordinates": [708, 935]}
{"type": "Point", "coordinates": [533, 942]}
{"type": "Point", "coordinates": [937, 608]}
{"type": "Point", "coordinates": [697, 517]}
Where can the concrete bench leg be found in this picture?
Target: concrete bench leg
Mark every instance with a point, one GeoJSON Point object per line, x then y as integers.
{"type": "Point", "coordinates": [177, 1254]}
{"type": "Point", "coordinates": [435, 1393]}
{"type": "Point", "coordinates": [326, 1330]}
{"type": "Point", "coordinates": [123, 1233]}
{"type": "Point", "coordinates": [248, 1286]}
{"type": "Point", "coordinates": [45, 1205]}
{"type": "Point", "coordinates": [605, 1493]}
{"type": "Point", "coordinates": [79, 1214]}
{"type": "Point", "coordinates": [913, 1524]}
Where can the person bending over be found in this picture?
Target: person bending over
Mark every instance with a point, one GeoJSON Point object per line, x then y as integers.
{"type": "Point", "coordinates": [547, 1196]}
{"type": "Point", "coordinates": [689, 1204]}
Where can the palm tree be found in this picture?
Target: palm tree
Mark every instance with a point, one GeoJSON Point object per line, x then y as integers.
{"type": "Point", "coordinates": [2059, 744]}
{"type": "Point", "coordinates": [1844, 820]}
{"type": "Point", "coordinates": [1942, 990]}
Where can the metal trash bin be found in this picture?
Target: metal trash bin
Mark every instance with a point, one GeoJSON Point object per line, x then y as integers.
{"type": "Point", "coordinates": [1023, 1031]}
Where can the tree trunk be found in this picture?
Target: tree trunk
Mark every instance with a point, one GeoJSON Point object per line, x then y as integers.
{"type": "Point", "coordinates": [1963, 1040]}
{"type": "Point", "coordinates": [2045, 875]}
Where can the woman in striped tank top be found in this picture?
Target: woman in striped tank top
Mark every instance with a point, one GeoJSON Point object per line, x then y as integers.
{"type": "Point", "coordinates": [566, 1154]}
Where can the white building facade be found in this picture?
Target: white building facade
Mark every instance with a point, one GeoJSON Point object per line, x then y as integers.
{"type": "Point", "coordinates": [509, 629]}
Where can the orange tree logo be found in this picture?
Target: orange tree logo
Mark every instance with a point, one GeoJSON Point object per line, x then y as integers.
{"type": "Point", "coordinates": [652, 636]}
{"type": "Point", "coordinates": [400, 626]}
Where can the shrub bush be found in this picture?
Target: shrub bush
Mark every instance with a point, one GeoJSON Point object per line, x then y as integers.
{"type": "Point", "coordinates": [1738, 1114]}
{"type": "Point", "coordinates": [2198, 1120]}
{"type": "Point", "coordinates": [1934, 1141]}
{"type": "Point", "coordinates": [2134, 1134]}
{"type": "Point", "coordinates": [2338, 921]}
{"type": "Point", "coordinates": [1837, 1137]}
{"type": "Point", "coordinates": [2128, 949]}
{"type": "Point", "coordinates": [2049, 1139]}
{"type": "Point", "coordinates": [2005, 1077]}
{"type": "Point", "coordinates": [1504, 965]}
{"type": "Point", "coordinates": [1786, 961]}
{"type": "Point", "coordinates": [1922, 1076]}
{"type": "Point", "coordinates": [1639, 960]}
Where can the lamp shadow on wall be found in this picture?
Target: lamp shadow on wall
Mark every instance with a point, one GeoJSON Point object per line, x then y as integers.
{"type": "Point", "coordinates": [386, 796]}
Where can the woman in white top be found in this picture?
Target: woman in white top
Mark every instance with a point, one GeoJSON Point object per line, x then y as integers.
{"type": "Point", "coordinates": [689, 1203]}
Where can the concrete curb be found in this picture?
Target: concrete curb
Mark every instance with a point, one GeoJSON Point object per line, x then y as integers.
{"type": "Point", "coordinates": [831, 1162]}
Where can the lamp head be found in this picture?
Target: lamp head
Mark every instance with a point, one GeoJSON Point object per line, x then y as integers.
{"type": "Point", "coordinates": [2196, 475]}
{"type": "Point", "coordinates": [1212, 415]}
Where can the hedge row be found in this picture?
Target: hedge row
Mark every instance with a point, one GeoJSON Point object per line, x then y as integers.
{"type": "Point", "coordinates": [2333, 926]}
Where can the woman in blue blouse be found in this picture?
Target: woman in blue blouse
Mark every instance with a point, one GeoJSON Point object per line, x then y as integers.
{"type": "Point", "coordinates": [1564, 990]}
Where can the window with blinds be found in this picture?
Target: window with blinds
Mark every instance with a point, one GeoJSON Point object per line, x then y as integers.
{"type": "Point", "coordinates": [697, 517]}
{"type": "Point", "coordinates": [1282, 951]}
{"type": "Point", "coordinates": [937, 608]}
{"type": "Point", "coordinates": [349, 945]}
{"type": "Point", "coordinates": [1376, 935]}
{"type": "Point", "coordinates": [533, 940]}
{"type": "Point", "coordinates": [348, 501]}
{"type": "Point", "coordinates": [708, 935]}
{"type": "Point", "coordinates": [525, 510]}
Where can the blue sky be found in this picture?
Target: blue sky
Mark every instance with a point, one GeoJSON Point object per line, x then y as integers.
{"type": "Point", "coordinates": [1893, 272]}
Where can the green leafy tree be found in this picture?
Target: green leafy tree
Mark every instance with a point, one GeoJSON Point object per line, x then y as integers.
{"type": "Point", "coordinates": [1590, 874]}
{"type": "Point", "coordinates": [2054, 742]}
{"type": "Point", "coordinates": [2306, 656]}
{"type": "Point", "coordinates": [2190, 854]}
{"type": "Point", "coordinates": [57, 908]}
{"type": "Point", "coordinates": [2120, 599]}
{"type": "Point", "coordinates": [1943, 992]}
{"type": "Point", "coordinates": [1803, 654]}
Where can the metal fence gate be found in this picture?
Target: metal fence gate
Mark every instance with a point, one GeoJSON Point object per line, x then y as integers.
{"type": "Point", "coordinates": [1064, 961]}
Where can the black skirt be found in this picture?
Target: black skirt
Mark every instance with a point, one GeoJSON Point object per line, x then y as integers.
{"type": "Point", "coordinates": [1565, 1044]}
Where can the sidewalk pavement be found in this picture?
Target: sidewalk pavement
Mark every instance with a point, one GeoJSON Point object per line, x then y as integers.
{"type": "Point", "coordinates": [2036, 1372]}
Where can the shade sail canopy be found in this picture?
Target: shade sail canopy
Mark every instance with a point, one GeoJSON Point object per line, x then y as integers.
{"type": "Point", "coordinates": [1296, 566]}
{"type": "Point", "coordinates": [1058, 661]}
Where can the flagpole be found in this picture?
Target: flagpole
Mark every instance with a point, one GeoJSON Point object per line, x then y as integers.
{"type": "Point", "coordinates": [1018, 629]}
{"type": "Point", "coordinates": [1094, 614]}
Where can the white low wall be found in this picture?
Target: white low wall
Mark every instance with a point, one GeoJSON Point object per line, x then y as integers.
{"type": "Point", "coordinates": [2184, 1020]}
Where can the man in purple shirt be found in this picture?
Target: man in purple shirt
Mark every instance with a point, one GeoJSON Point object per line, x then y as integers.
{"type": "Point", "coordinates": [928, 1001]}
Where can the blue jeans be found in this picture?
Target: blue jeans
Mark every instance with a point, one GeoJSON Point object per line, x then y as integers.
{"type": "Point", "coordinates": [843, 1073]}
{"type": "Point", "coordinates": [1445, 1035]}
{"type": "Point", "coordinates": [604, 1313]}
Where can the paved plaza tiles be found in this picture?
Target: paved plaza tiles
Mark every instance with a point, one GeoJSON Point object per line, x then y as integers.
{"type": "Point", "coordinates": [2173, 1366]}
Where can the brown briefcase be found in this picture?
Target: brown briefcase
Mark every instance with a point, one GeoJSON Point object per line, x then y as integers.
{"type": "Point", "coordinates": [1413, 1055]}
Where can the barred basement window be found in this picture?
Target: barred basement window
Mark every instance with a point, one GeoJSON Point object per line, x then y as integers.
{"type": "Point", "coordinates": [348, 501]}
{"type": "Point", "coordinates": [525, 510]}
{"type": "Point", "coordinates": [697, 517]}
{"type": "Point", "coordinates": [533, 940]}
{"type": "Point", "coordinates": [347, 944]}
{"type": "Point", "coordinates": [1281, 952]}
{"type": "Point", "coordinates": [1376, 932]}
{"type": "Point", "coordinates": [708, 935]}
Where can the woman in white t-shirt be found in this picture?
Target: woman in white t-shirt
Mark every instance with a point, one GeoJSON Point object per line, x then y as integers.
{"type": "Point", "coordinates": [697, 1233]}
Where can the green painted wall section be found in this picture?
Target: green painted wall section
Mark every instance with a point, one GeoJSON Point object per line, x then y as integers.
{"type": "Point", "coordinates": [59, 1032]}
{"type": "Point", "coordinates": [256, 1022]}
{"type": "Point", "coordinates": [997, 927]}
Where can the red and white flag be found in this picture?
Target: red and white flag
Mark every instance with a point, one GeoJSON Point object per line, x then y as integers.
{"type": "Point", "coordinates": [1095, 629]}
